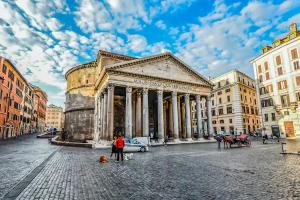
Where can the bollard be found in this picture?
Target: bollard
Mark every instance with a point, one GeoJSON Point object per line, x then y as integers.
{"type": "Point", "coordinates": [282, 149]}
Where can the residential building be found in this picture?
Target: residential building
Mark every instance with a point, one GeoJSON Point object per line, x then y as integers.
{"type": "Point", "coordinates": [27, 106]}
{"type": "Point", "coordinates": [12, 85]}
{"type": "Point", "coordinates": [55, 117]}
{"type": "Point", "coordinates": [277, 73]}
{"type": "Point", "coordinates": [40, 107]}
{"type": "Point", "coordinates": [234, 104]}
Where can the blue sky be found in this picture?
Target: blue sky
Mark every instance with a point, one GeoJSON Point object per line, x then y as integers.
{"type": "Point", "coordinates": [46, 38]}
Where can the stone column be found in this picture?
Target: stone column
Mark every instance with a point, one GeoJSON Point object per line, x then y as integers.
{"type": "Point", "coordinates": [188, 116]}
{"type": "Point", "coordinates": [138, 115]}
{"type": "Point", "coordinates": [145, 113]}
{"type": "Point", "coordinates": [160, 117]}
{"type": "Point", "coordinates": [171, 126]}
{"type": "Point", "coordinates": [175, 115]}
{"type": "Point", "coordinates": [133, 115]}
{"type": "Point", "coordinates": [179, 117]}
{"type": "Point", "coordinates": [104, 118]}
{"type": "Point", "coordinates": [101, 116]}
{"type": "Point", "coordinates": [209, 116]}
{"type": "Point", "coordinates": [128, 118]}
{"type": "Point", "coordinates": [110, 112]}
{"type": "Point", "coordinates": [198, 113]}
{"type": "Point", "coordinates": [183, 135]}
{"type": "Point", "coordinates": [96, 114]}
{"type": "Point", "coordinates": [99, 123]}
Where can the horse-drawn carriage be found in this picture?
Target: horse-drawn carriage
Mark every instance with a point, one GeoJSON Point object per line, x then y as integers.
{"type": "Point", "coordinates": [239, 140]}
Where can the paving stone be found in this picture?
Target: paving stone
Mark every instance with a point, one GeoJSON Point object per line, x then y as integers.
{"type": "Point", "coordinates": [198, 171]}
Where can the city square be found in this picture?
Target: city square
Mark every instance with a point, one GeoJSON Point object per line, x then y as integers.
{"type": "Point", "coordinates": [149, 99]}
{"type": "Point", "coordinates": [168, 172]}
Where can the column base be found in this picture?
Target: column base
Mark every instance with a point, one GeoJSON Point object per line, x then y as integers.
{"type": "Point", "coordinates": [176, 140]}
{"type": "Point", "coordinates": [189, 139]}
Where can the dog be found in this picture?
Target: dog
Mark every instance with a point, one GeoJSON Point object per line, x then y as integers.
{"type": "Point", "coordinates": [128, 156]}
{"type": "Point", "coordinates": [103, 159]}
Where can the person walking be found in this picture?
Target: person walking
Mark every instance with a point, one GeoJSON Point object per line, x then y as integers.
{"type": "Point", "coordinates": [120, 144]}
{"type": "Point", "coordinates": [219, 140]}
{"type": "Point", "coordinates": [113, 148]}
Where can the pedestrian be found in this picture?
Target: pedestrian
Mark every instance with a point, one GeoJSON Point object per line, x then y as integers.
{"type": "Point", "coordinates": [219, 140]}
{"type": "Point", "coordinates": [120, 144]}
{"type": "Point", "coordinates": [113, 148]}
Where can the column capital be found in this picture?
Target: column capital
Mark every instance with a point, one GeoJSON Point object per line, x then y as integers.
{"type": "Point", "coordinates": [128, 89]}
{"type": "Point", "coordinates": [145, 91]}
{"type": "Point", "coordinates": [174, 93]}
{"type": "Point", "coordinates": [110, 86]}
{"type": "Point", "coordinates": [160, 92]}
{"type": "Point", "coordinates": [187, 95]}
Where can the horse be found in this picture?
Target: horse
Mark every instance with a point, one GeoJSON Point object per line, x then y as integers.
{"type": "Point", "coordinates": [227, 139]}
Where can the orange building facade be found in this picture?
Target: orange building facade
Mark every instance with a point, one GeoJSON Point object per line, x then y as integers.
{"type": "Point", "coordinates": [19, 103]}
{"type": "Point", "coordinates": [40, 108]}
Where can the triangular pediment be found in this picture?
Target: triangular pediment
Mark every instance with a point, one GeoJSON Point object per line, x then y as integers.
{"type": "Point", "coordinates": [165, 66]}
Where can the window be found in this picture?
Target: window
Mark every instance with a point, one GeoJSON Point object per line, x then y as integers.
{"type": "Point", "coordinates": [294, 54]}
{"type": "Point", "coordinates": [259, 69]}
{"type": "Point", "coordinates": [285, 100]}
{"type": "Point", "coordinates": [282, 85]}
{"type": "Point", "coordinates": [18, 92]}
{"type": "Point", "coordinates": [273, 117]}
{"type": "Point", "coordinates": [213, 112]}
{"type": "Point", "coordinates": [278, 60]}
{"type": "Point", "coordinates": [296, 65]}
{"type": "Point", "coordinates": [4, 69]}
{"type": "Point", "coordinates": [230, 121]}
{"type": "Point", "coordinates": [279, 71]}
{"type": "Point", "coordinates": [298, 80]}
{"type": "Point", "coordinates": [212, 102]}
{"type": "Point", "coordinates": [229, 110]}
{"type": "Point", "coordinates": [11, 75]}
{"type": "Point", "coordinates": [298, 96]}
{"type": "Point", "coordinates": [16, 105]}
{"type": "Point", "coordinates": [228, 98]}
{"type": "Point", "coordinates": [267, 76]}
{"type": "Point", "coordinates": [220, 100]}
{"type": "Point", "coordinates": [0, 94]}
{"type": "Point", "coordinates": [219, 93]}
{"type": "Point", "coordinates": [266, 66]}
{"type": "Point", "coordinates": [261, 78]}
{"type": "Point", "coordinates": [220, 111]}
{"type": "Point", "coordinates": [266, 103]}
{"type": "Point", "coordinates": [221, 121]}
{"type": "Point", "coordinates": [214, 122]}
{"type": "Point", "coordinates": [227, 90]}
{"type": "Point", "coordinates": [266, 117]}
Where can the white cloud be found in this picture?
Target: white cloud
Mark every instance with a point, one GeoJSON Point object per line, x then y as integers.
{"type": "Point", "coordinates": [92, 15]}
{"type": "Point", "coordinates": [160, 24]}
{"type": "Point", "coordinates": [137, 43]}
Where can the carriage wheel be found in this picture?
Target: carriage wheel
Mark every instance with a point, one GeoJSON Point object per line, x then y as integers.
{"type": "Point", "coordinates": [248, 143]}
{"type": "Point", "coordinates": [240, 143]}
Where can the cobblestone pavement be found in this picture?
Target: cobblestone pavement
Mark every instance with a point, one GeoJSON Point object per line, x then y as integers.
{"type": "Point", "coordinates": [197, 171]}
{"type": "Point", "coordinates": [20, 156]}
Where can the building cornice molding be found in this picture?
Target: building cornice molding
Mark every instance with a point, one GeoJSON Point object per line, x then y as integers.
{"type": "Point", "coordinates": [113, 72]}
{"type": "Point", "coordinates": [86, 65]}
{"type": "Point", "coordinates": [113, 55]}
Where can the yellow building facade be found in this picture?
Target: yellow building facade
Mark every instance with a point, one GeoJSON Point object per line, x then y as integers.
{"type": "Point", "coordinates": [55, 117]}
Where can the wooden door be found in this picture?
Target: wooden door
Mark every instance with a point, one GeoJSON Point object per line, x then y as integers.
{"type": "Point", "coordinates": [289, 129]}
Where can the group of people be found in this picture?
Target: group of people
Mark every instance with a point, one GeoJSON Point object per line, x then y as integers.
{"type": "Point", "coordinates": [117, 148]}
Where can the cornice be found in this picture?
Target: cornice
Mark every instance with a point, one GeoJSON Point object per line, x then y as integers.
{"type": "Point", "coordinates": [86, 65]}
{"type": "Point", "coordinates": [113, 55]}
{"type": "Point", "coordinates": [157, 78]}
{"type": "Point", "coordinates": [81, 86]}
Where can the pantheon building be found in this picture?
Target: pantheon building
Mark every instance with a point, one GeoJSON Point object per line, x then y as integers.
{"type": "Point", "coordinates": [158, 96]}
